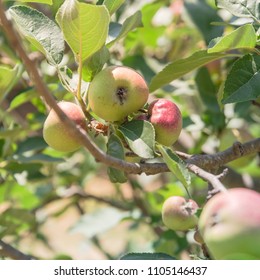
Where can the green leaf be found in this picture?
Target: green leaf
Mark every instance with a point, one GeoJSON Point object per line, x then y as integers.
{"type": "Point", "coordinates": [95, 63]}
{"type": "Point", "coordinates": [242, 37]}
{"type": "Point", "coordinates": [181, 67]}
{"type": "Point", "coordinates": [27, 96]}
{"type": "Point", "coordinates": [242, 82]}
{"type": "Point", "coordinates": [42, 32]}
{"type": "Point", "coordinates": [244, 8]}
{"type": "Point", "coordinates": [176, 165]}
{"type": "Point", "coordinates": [115, 149]}
{"type": "Point", "coordinates": [70, 80]}
{"type": "Point", "coordinates": [35, 143]}
{"type": "Point", "coordinates": [147, 256]}
{"type": "Point", "coordinates": [129, 24]}
{"type": "Point", "coordinates": [49, 2]}
{"type": "Point", "coordinates": [41, 158]}
{"type": "Point", "coordinates": [207, 89]}
{"type": "Point", "coordinates": [202, 15]}
{"type": "Point", "coordinates": [84, 26]}
{"type": "Point", "coordinates": [113, 5]}
{"type": "Point", "coordinates": [8, 78]}
{"type": "Point", "coordinates": [98, 222]}
{"type": "Point", "coordinates": [140, 136]}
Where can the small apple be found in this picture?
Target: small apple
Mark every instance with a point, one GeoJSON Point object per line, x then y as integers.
{"type": "Point", "coordinates": [230, 224]}
{"type": "Point", "coordinates": [117, 91]}
{"type": "Point", "coordinates": [55, 133]}
{"type": "Point", "coordinates": [178, 213]}
{"type": "Point", "coordinates": [167, 121]}
{"type": "Point", "coordinates": [228, 138]}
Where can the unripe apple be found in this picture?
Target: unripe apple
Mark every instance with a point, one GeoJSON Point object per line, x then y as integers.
{"type": "Point", "coordinates": [228, 138]}
{"type": "Point", "coordinates": [230, 224]}
{"type": "Point", "coordinates": [56, 134]}
{"type": "Point", "coordinates": [117, 91]}
{"type": "Point", "coordinates": [178, 213]}
{"type": "Point", "coordinates": [167, 121]}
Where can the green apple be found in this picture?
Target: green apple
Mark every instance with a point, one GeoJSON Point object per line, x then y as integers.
{"type": "Point", "coordinates": [228, 138]}
{"type": "Point", "coordinates": [166, 118]}
{"type": "Point", "coordinates": [230, 225]}
{"type": "Point", "coordinates": [56, 134]}
{"type": "Point", "coordinates": [117, 91]}
{"type": "Point", "coordinates": [178, 213]}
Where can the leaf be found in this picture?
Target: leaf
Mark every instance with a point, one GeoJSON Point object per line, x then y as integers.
{"type": "Point", "coordinates": [176, 165]}
{"type": "Point", "coordinates": [41, 158]}
{"type": "Point", "coordinates": [42, 32]}
{"type": "Point", "coordinates": [242, 82]}
{"type": "Point", "coordinates": [147, 256]}
{"type": "Point", "coordinates": [202, 15]}
{"type": "Point", "coordinates": [8, 78]}
{"type": "Point", "coordinates": [95, 63]}
{"type": "Point", "coordinates": [242, 37]}
{"type": "Point", "coordinates": [27, 96]}
{"type": "Point", "coordinates": [129, 24]}
{"type": "Point", "coordinates": [207, 89]}
{"type": "Point", "coordinates": [49, 2]}
{"type": "Point", "coordinates": [241, 8]}
{"type": "Point", "coordinates": [113, 5]}
{"type": "Point", "coordinates": [70, 80]}
{"type": "Point", "coordinates": [181, 67]}
{"type": "Point", "coordinates": [98, 222]}
{"type": "Point", "coordinates": [140, 136]}
{"type": "Point", "coordinates": [115, 149]}
{"type": "Point", "coordinates": [34, 143]}
{"type": "Point", "coordinates": [84, 26]}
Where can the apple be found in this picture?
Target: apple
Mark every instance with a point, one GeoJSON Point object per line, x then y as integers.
{"type": "Point", "coordinates": [55, 133]}
{"type": "Point", "coordinates": [166, 118]}
{"type": "Point", "coordinates": [178, 213]}
{"type": "Point", "coordinates": [117, 91]}
{"type": "Point", "coordinates": [230, 224]}
{"type": "Point", "coordinates": [228, 138]}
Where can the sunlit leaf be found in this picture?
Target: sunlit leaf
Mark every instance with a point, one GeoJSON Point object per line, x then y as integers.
{"type": "Point", "coordinates": [42, 32]}
{"type": "Point", "coordinates": [85, 26]}
{"type": "Point", "coordinates": [242, 82]}
{"type": "Point", "coordinates": [140, 136]}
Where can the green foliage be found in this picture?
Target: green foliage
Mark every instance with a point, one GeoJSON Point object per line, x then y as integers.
{"type": "Point", "coordinates": [186, 53]}
{"type": "Point", "coordinates": [140, 137]}
{"type": "Point", "coordinates": [49, 40]}
{"type": "Point", "coordinates": [84, 26]}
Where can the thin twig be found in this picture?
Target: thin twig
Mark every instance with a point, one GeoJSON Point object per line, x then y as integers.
{"type": "Point", "coordinates": [8, 251]}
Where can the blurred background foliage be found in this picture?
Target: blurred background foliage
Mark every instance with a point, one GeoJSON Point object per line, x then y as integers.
{"type": "Point", "coordinates": [62, 206]}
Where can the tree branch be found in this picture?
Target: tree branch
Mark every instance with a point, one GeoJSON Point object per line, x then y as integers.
{"type": "Point", "coordinates": [196, 164]}
{"type": "Point", "coordinates": [8, 251]}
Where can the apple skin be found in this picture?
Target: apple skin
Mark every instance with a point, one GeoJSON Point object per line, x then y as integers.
{"type": "Point", "coordinates": [230, 225]}
{"type": "Point", "coordinates": [167, 121]}
{"type": "Point", "coordinates": [55, 132]}
{"type": "Point", "coordinates": [178, 213]}
{"type": "Point", "coordinates": [117, 91]}
{"type": "Point", "coordinates": [228, 138]}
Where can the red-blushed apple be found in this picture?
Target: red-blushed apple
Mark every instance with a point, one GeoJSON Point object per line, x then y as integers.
{"type": "Point", "coordinates": [178, 213]}
{"type": "Point", "coordinates": [230, 225]}
{"type": "Point", "coordinates": [166, 118]}
{"type": "Point", "coordinates": [56, 134]}
{"type": "Point", "coordinates": [116, 92]}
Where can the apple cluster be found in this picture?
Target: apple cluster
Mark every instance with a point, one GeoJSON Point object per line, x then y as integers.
{"type": "Point", "coordinates": [229, 224]}
{"type": "Point", "coordinates": [115, 93]}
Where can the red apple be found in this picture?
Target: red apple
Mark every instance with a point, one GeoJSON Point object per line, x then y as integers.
{"type": "Point", "coordinates": [167, 121]}
{"type": "Point", "coordinates": [56, 134]}
{"type": "Point", "coordinates": [230, 224]}
{"type": "Point", "coordinates": [178, 213]}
